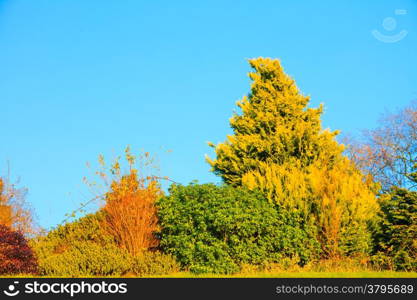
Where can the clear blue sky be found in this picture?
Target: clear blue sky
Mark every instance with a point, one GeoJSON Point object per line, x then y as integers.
{"type": "Point", "coordinates": [79, 78]}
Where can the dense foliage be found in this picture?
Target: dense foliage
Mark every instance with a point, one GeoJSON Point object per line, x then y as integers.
{"type": "Point", "coordinates": [130, 213]}
{"type": "Point", "coordinates": [84, 248]}
{"type": "Point", "coordinates": [280, 148]}
{"type": "Point", "coordinates": [388, 154]}
{"type": "Point", "coordinates": [396, 239]}
{"type": "Point", "coordinates": [216, 229]}
{"type": "Point", "coordinates": [15, 254]}
{"type": "Point", "coordinates": [153, 263]}
{"type": "Point", "coordinates": [83, 243]}
{"type": "Point", "coordinates": [289, 196]}
{"type": "Point", "coordinates": [274, 129]}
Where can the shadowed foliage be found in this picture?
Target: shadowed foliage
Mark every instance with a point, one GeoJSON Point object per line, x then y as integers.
{"type": "Point", "coordinates": [16, 256]}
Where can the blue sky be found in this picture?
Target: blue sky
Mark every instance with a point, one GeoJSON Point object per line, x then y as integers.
{"type": "Point", "coordinates": [79, 78]}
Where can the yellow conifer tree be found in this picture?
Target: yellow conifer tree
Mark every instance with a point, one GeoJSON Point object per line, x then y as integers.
{"type": "Point", "coordinates": [280, 148]}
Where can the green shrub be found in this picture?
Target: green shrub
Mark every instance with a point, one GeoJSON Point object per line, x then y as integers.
{"type": "Point", "coordinates": [355, 238]}
{"type": "Point", "coordinates": [87, 228]}
{"type": "Point", "coordinates": [380, 261]}
{"type": "Point", "coordinates": [216, 229]}
{"type": "Point", "coordinates": [80, 248]}
{"type": "Point", "coordinates": [86, 259]}
{"type": "Point", "coordinates": [396, 235]}
{"type": "Point", "coordinates": [154, 263]}
{"type": "Point", "coordinates": [83, 248]}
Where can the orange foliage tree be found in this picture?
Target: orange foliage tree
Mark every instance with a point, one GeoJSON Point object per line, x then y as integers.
{"type": "Point", "coordinates": [129, 202]}
{"type": "Point", "coordinates": [15, 212]}
{"type": "Point", "coordinates": [5, 209]}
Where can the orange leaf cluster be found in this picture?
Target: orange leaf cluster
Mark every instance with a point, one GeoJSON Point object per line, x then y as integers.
{"type": "Point", "coordinates": [131, 213]}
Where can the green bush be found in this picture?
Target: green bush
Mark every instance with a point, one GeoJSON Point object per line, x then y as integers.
{"type": "Point", "coordinates": [80, 248]}
{"type": "Point", "coordinates": [154, 263]}
{"type": "Point", "coordinates": [355, 238]}
{"type": "Point", "coordinates": [87, 228]}
{"type": "Point", "coordinates": [86, 259]}
{"type": "Point", "coordinates": [396, 235]}
{"type": "Point", "coordinates": [83, 248]}
{"type": "Point", "coordinates": [216, 229]}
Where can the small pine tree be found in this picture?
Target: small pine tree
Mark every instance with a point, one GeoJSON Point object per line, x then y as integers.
{"type": "Point", "coordinates": [397, 236]}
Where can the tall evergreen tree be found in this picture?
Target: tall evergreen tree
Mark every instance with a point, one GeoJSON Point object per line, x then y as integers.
{"type": "Point", "coordinates": [275, 127]}
{"type": "Point", "coordinates": [279, 147]}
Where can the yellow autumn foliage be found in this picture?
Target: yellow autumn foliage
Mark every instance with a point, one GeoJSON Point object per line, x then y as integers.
{"type": "Point", "coordinates": [280, 148]}
{"type": "Point", "coordinates": [129, 201]}
{"type": "Point", "coordinates": [342, 199]}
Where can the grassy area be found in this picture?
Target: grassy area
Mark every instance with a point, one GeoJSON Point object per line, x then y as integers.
{"type": "Point", "coordinates": [364, 274]}
{"type": "Point", "coordinates": [368, 274]}
{"type": "Point", "coordinates": [330, 268]}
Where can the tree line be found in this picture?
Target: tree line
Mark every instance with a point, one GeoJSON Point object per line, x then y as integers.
{"type": "Point", "coordinates": [291, 193]}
